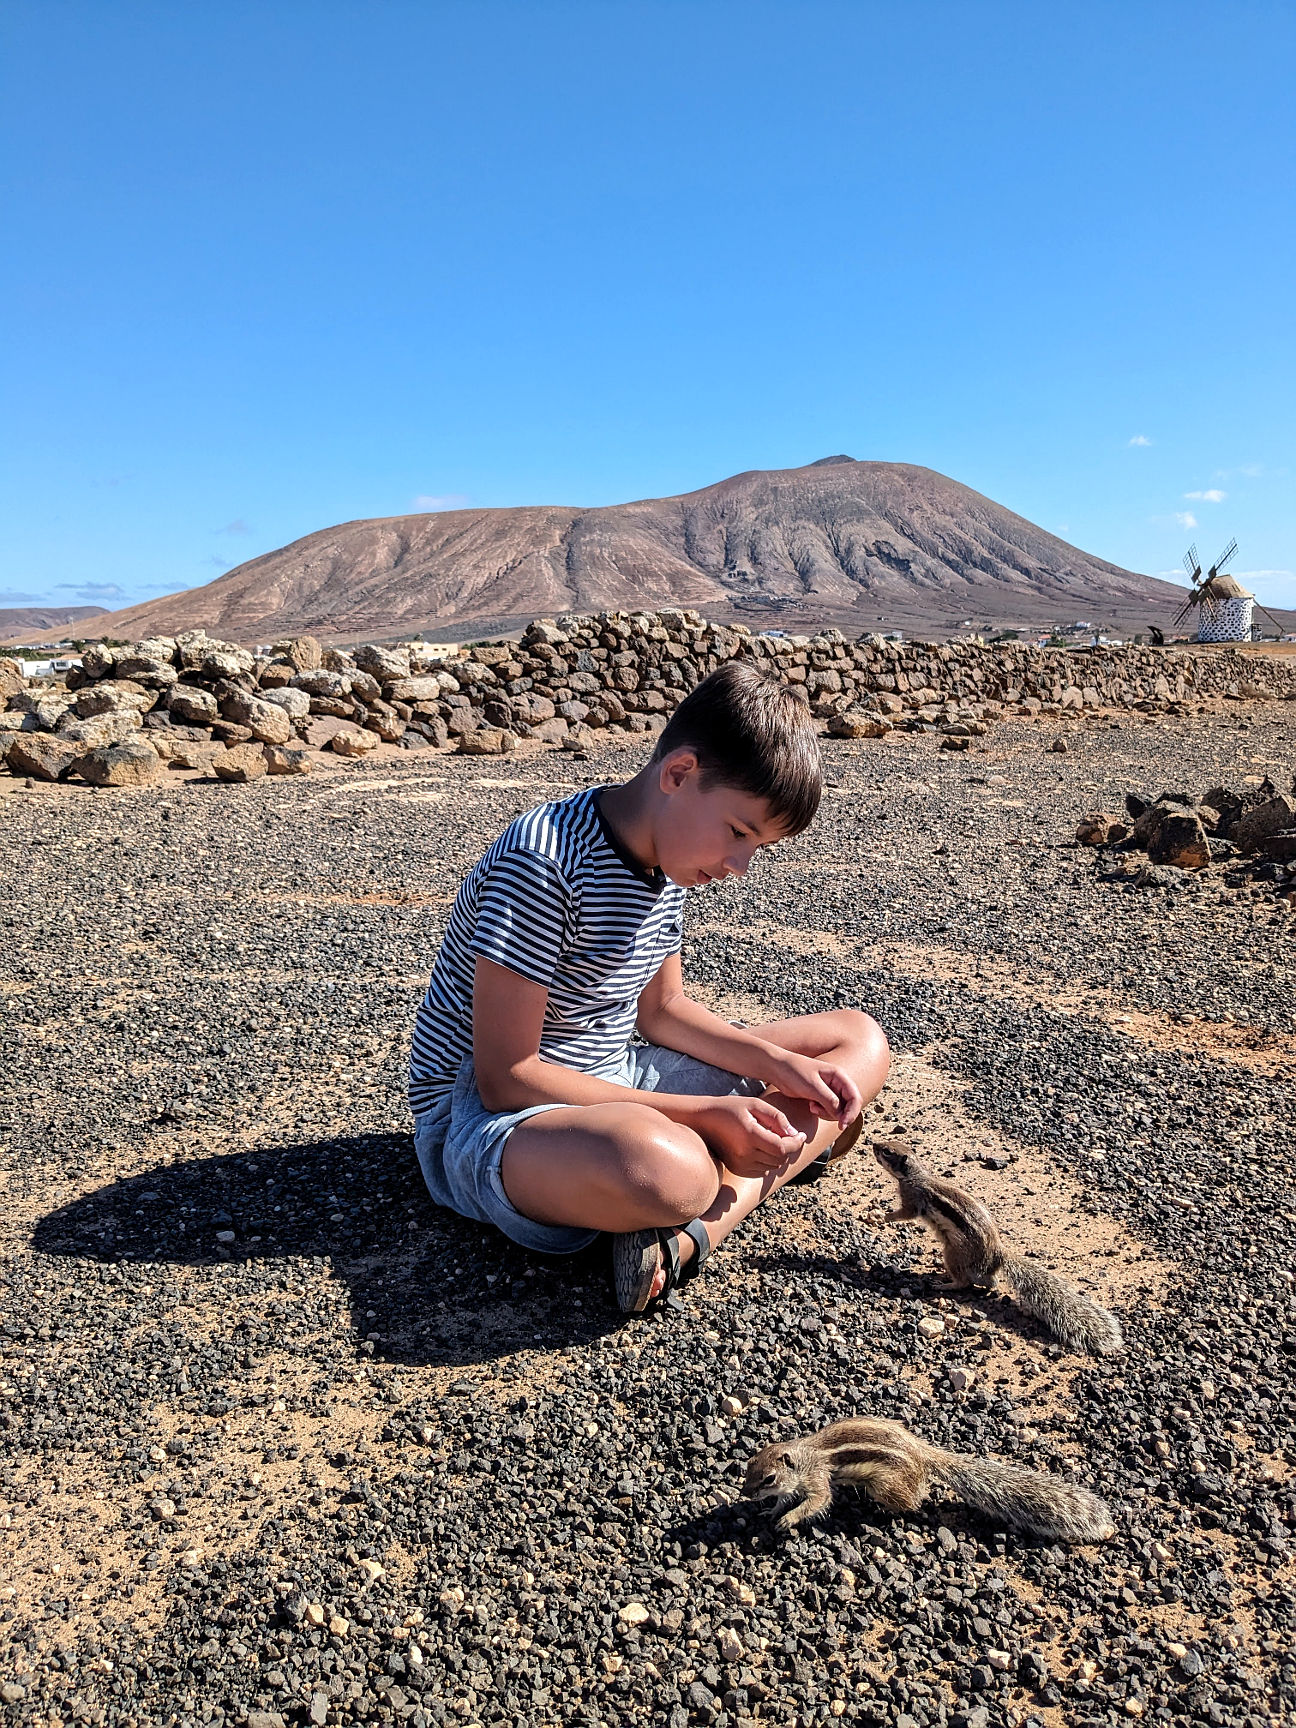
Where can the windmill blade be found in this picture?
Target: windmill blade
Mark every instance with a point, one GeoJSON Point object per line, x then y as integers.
{"type": "Point", "coordinates": [1269, 615]}
{"type": "Point", "coordinates": [1185, 609]}
{"type": "Point", "coordinates": [1191, 564]}
{"type": "Point", "coordinates": [1224, 556]}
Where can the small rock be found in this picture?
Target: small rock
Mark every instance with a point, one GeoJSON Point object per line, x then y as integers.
{"type": "Point", "coordinates": [1102, 829]}
{"type": "Point", "coordinates": [125, 764]}
{"type": "Point", "coordinates": [162, 1509]}
{"type": "Point", "coordinates": [319, 1708]}
{"type": "Point", "coordinates": [487, 741]}
{"type": "Point", "coordinates": [930, 1327]}
{"type": "Point", "coordinates": [1059, 746]}
{"type": "Point", "coordinates": [240, 763]}
{"type": "Point", "coordinates": [346, 742]}
{"type": "Point", "coordinates": [961, 1379]}
{"type": "Point", "coordinates": [12, 1693]}
{"type": "Point", "coordinates": [372, 1570]}
{"type": "Point", "coordinates": [315, 1613]}
{"type": "Point", "coordinates": [633, 1614]}
{"type": "Point", "coordinates": [264, 1719]}
{"type": "Point", "coordinates": [287, 759]}
{"type": "Point", "coordinates": [732, 1405]}
{"type": "Point", "coordinates": [339, 1626]}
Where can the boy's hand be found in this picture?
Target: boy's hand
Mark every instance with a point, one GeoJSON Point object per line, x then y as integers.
{"type": "Point", "coordinates": [829, 1091]}
{"type": "Point", "coordinates": [749, 1135]}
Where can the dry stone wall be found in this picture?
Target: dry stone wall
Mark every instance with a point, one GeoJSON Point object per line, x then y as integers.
{"type": "Point", "coordinates": [198, 702]}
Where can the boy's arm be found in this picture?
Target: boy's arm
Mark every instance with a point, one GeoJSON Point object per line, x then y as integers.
{"type": "Point", "coordinates": [508, 1016]}
{"type": "Point", "coordinates": [669, 1017]}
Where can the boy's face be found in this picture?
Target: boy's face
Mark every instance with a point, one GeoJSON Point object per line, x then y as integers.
{"type": "Point", "coordinates": [704, 836]}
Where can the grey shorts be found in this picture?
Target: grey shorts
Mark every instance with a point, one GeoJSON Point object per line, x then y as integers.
{"type": "Point", "coordinates": [460, 1143]}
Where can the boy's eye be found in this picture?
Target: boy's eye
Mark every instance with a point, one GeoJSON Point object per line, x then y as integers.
{"type": "Point", "coordinates": [736, 832]}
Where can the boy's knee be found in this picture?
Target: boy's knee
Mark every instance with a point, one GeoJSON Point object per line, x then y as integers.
{"type": "Point", "coordinates": [863, 1031]}
{"type": "Point", "coordinates": [669, 1166]}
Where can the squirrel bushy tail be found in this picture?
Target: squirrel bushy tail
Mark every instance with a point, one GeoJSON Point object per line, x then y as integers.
{"type": "Point", "coordinates": [1024, 1499]}
{"type": "Point", "coordinates": [1071, 1317]}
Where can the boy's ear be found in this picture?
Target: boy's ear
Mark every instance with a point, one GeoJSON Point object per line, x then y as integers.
{"type": "Point", "coordinates": [676, 768]}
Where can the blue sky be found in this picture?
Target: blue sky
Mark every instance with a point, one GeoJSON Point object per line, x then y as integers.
{"type": "Point", "coordinates": [273, 266]}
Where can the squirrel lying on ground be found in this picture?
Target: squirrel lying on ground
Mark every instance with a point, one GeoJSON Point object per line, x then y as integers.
{"type": "Point", "coordinates": [895, 1468]}
{"type": "Point", "coordinates": [975, 1253]}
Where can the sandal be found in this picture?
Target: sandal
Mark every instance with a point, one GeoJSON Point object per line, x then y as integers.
{"type": "Point", "coordinates": [638, 1254]}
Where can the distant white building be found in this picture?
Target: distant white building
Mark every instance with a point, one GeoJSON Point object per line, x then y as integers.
{"type": "Point", "coordinates": [1224, 611]}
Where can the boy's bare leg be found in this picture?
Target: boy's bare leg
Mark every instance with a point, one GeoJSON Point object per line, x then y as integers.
{"type": "Point", "coordinates": [855, 1042]}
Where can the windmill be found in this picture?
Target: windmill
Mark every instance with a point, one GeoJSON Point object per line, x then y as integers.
{"type": "Point", "coordinates": [1223, 604]}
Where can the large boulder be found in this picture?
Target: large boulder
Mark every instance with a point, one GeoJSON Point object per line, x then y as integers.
{"type": "Point", "coordinates": [41, 755]}
{"type": "Point", "coordinates": [266, 721]}
{"type": "Point", "coordinates": [98, 659]}
{"type": "Point", "coordinates": [426, 689]}
{"type": "Point", "coordinates": [220, 660]}
{"type": "Point", "coordinates": [99, 729]}
{"type": "Point", "coordinates": [295, 703]}
{"type": "Point", "coordinates": [192, 705]}
{"type": "Point", "coordinates": [240, 763]}
{"type": "Point", "coordinates": [384, 664]}
{"type": "Point", "coordinates": [1252, 830]}
{"type": "Point", "coordinates": [44, 706]}
{"type": "Point", "coordinates": [12, 680]}
{"type": "Point", "coordinates": [146, 669]}
{"type": "Point", "coordinates": [1179, 839]}
{"type": "Point", "coordinates": [365, 689]}
{"type": "Point", "coordinates": [351, 742]}
{"type": "Point", "coordinates": [386, 722]}
{"type": "Point", "coordinates": [114, 696]}
{"type": "Point", "coordinates": [305, 653]}
{"type": "Point", "coordinates": [131, 763]}
{"type": "Point", "coordinates": [321, 682]}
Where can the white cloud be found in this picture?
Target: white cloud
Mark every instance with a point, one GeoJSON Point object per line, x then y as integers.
{"type": "Point", "coordinates": [237, 526]}
{"type": "Point", "coordinates": [1212, 497]}
{"type": "Point", "coordinates": [11, 597]}
{"type": "Point", "coordinates": [1139, 442]}
{"type": "Point", "coordinates": [94, 591]}
{"type": "Point", "coordinates": [220, 563]}
{"type": "Point", "coordinates": [439, 501]}
{"type": "Point", "coordinates": [1185, 519]}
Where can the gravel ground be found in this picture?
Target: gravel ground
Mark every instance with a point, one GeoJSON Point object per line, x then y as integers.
{"type": "Point", "coordinates": [281, 1442]}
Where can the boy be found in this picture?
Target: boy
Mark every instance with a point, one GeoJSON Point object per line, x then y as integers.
{"type": "Point", "coordinates": [533, 1110]}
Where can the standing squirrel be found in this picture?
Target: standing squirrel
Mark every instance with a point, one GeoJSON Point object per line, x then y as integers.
{"type": "Point", "coordinates": [896, 1469]}
{"type": "Point", "coordinates": [975, 1253]}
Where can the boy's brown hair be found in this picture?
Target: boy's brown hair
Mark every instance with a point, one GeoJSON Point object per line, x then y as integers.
{"type": "Point", "coordinates": [753, 732]}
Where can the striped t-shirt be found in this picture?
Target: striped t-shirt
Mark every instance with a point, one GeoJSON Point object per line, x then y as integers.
{"type": "Point", "coordinates": [559, 900]}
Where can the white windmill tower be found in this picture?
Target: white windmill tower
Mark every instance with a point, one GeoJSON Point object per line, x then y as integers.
{"type": "Point", "coordinates": [1223, 605]}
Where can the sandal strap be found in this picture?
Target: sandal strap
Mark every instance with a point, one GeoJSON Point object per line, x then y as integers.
{"type": "Point", "coordinates": [695, 1230]}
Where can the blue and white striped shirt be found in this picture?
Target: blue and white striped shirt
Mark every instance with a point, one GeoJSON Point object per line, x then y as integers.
{"type": "Point", "coordinates": [557, 899]}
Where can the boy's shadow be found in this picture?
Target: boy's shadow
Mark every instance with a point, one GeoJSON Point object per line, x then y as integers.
{"type": "Point", "coordinates": [425, 1285]}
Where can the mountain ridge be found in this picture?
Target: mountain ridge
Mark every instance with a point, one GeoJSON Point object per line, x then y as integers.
{"type": "Point", "coordinates": [863, 545]}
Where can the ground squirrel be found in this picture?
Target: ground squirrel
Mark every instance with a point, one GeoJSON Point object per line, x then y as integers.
{"type": "Point", "coordinates": [975, 1253]}
{"type": "Point", "coordinates": [896, 1469]}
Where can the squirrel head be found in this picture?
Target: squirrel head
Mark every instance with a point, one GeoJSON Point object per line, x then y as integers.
{"type": "Point", "coordinates": [897, 1156]}
{"type": "Point", "coordinates": [772, 1473]}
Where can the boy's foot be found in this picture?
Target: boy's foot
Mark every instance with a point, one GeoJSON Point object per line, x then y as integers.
{"type": "Point", "coordinates": [650, 1264]}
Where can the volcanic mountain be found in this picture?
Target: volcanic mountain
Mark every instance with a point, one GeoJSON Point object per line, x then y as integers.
{"type": "Point", "coordinates": [36, 623]}
{"type": "Point", "coordinates": [863, 545]}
